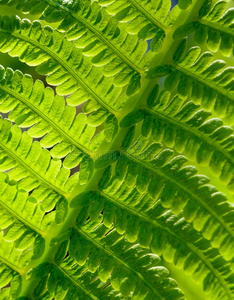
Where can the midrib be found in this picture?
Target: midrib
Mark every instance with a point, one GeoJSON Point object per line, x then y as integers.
{"type": "Point", "coordinates": [170, 45]}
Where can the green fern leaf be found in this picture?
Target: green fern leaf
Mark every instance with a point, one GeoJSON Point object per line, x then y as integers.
{"type": "Point", "coordinates": [151, 224]}
{"type": "Point", "coordinates": [189, 129]}
{"type": "Point", "coordinates": [215, 27]}
{"type": "Point", "coordinates": [115, 164]}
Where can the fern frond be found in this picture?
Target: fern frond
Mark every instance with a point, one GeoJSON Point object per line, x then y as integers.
{"type": "Point", "coordinates": [130, 270]}
{"type": "Point", "coordinates": [27, 160]}
{"type": "Point", "coordinates": [20, 205]}
{"type": "Point", "coordinates": [97, 35]}
{"type": "Point", "coordinates": [10, 282]}
{"type": "Point", "coordinates": [178, 187]}
{"type": "Point", "coordinates": [18, 241]}
{"type": "Point", "coordinates": [129, 263]}
{"type": "Point", "coordinates": [153, 226]}
{"type": "Point", "coordinates": [99, 233]}
{"type": "Point", "coordinates": [35, 210]}
{"type": "Point", "coordinates": [56, 124]}
{"type": "Point", "coordinates": [187, 128]}
{"type": "Point", "coordinates": [21, 235]}
{"type": "Point", "coordinates": [214, 27]}
{"type": "Point", "coordinates": [144, 18]}
{"type": "Point", "coordinates": [32, 167]}
{"type": "Point", "coordinates": [62, 63]}
{"type": "Point", "coordinates": [202, 79]}
{"type": "Point", "coordinates": [68, 280]}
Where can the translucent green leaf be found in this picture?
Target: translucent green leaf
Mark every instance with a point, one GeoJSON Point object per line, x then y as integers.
{"type": "Point", "coordinates": [157, 71]}
{"type": "Point", "coordinates": [83, 199]}
{"type": "Point", "coordinates": [111, 128]}
{"type": "Point", "coordinates": [184, 4]}
{"type": "Point", "coordinates": [39, 247]}
{"type": "Point", "coordinates": [132, 118]}
{"type": "Point", "coordinates": [40, 271]}
{"type": "Point", "coordinates": [107, 159]}
{"type": "Point", "coordinates": [61, 210]}
{"type": "Point", "coordinates": [86, 169]}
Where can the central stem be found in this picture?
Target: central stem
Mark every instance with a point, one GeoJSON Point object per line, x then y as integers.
{"type": "Point", "coordinates": [163, 57]}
